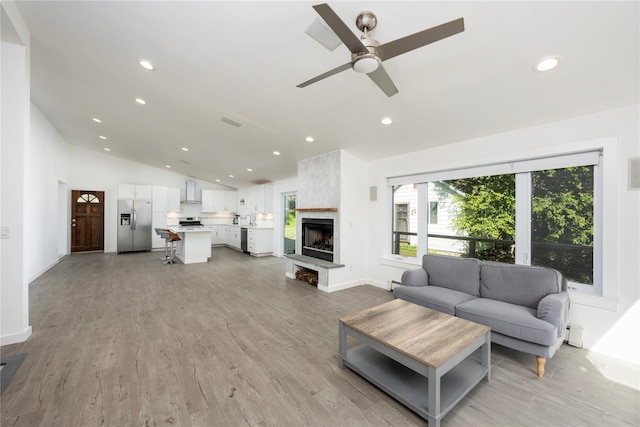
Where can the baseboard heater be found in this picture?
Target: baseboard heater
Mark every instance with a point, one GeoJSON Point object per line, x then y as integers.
{"type": "Point", "coordinates": [573, 335]}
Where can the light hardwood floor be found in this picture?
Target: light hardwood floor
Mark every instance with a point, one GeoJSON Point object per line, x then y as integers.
{"type": "Point", "coordinates": [123, 340]}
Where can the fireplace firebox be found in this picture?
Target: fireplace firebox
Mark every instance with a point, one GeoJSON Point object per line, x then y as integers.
{"type": "Point", "coordinates": [317, 238]}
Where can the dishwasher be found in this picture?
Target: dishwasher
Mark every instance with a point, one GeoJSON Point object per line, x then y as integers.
{"type": "Point", "coordinates": [243, 239]}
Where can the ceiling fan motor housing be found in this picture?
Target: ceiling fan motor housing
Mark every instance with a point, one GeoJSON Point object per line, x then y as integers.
{"type": "Point", "coordinates": [366, 62]}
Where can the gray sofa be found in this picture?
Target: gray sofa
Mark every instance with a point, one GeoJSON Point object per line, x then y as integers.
{"type": "Point", "coordinates": [526, 307]}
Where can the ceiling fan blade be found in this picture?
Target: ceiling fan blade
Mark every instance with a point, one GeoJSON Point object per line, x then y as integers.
{"type": "Point", "coordinates": [419, 39]}
{"type": "Point", "coordinates": [384, 82]}
{"type": "Point", "coordinates": [325, 75]}
{"type": "Point", "coordinates": [340, 28]}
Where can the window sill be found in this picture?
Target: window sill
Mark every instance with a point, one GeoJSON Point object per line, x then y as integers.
{"type": "Point", "coordinates": [400, 261]}
{"type": "Point", "coordinates": [596, 301]}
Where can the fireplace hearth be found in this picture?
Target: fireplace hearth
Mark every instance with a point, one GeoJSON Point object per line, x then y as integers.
{"type": "Point", "coordinates": [317, 238]}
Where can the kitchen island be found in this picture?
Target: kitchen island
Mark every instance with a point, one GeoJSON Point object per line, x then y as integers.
{"type": "Point", "coordinates": [195, 244]}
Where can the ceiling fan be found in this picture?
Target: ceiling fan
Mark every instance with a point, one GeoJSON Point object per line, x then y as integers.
{"type": "Point", "coordinates": [367, 54]}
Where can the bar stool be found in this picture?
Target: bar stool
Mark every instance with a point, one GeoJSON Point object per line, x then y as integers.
{"type": "Point", "coordinates": [164, 233]}
{"type": "Point", "coordinates": [171, 241]}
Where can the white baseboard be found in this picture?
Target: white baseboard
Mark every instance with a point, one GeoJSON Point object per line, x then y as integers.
{"type": "Point", "coordinates": [43, 270]}
{"type": "Point", "coordinates": [15, 338]}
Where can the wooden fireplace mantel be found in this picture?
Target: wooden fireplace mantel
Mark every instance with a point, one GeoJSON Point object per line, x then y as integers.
{"type": "Point", "coordinates": [316, 209]}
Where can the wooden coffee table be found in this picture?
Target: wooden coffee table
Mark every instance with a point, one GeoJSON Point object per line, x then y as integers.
{"type": "Point", "coordinates": [420, 356]}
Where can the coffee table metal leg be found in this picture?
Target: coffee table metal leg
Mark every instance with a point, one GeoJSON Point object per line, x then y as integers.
{"type": "Point", "coordinates": [486, 357]}
{"type": "Point", "coordinates": [342, 345]}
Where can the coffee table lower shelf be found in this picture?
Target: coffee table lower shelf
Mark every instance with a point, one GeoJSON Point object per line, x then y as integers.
{"type": "Point", "coordinates": [411, 388]}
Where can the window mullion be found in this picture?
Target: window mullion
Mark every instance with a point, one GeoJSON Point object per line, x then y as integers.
{"type": "Point", "coordinates": [422, 219]}
{"type": "Point", "coordinates": [523, 218]}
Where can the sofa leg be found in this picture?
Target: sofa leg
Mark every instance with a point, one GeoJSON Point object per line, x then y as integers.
{"type": "Point", "coordinates": [541, 361]}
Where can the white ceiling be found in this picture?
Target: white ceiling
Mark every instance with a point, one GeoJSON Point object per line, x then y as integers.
{"type": "Point", "coordinates": [243, 60]}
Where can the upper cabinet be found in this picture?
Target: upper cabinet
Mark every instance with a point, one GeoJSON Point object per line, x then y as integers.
{"type": "Point", "coordinates": [231, 200]}
{"type": "Point", "coordinates": [132, 191]}
{"type": "Point", "coordinates": [218, 201]}
{"type": "Point", "coordinates": [208, 204]}
{"type": "Point", "coordinates": [258, 198]}
{"type": "Point", "coordinates": [173, 200]}
{"type": "Point", "coordinates": [165, 199]}
{"type": "Point", "coordinates": [261, 198]}
{"type": "Point", "coordinates": [159, 199]}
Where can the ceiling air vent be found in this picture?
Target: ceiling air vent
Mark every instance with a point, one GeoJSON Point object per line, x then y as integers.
{"type": "Point", "coordinates": [231, 122]}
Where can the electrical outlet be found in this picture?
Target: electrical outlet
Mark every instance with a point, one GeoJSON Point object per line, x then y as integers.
{"type": "Point", "coordinates": [5, 232]}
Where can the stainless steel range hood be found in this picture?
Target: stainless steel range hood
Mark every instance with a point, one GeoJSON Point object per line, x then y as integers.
{"type": "Point", "coordinates": [190, 195]}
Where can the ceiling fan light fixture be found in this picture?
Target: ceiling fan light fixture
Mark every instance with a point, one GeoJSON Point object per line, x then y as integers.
{"type": "Point", "coordinates": [365, 63]}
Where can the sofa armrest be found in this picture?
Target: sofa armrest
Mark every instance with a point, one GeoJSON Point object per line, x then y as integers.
{"type": "Point", "coordinates": [554, 308]}
{"type": "Point", "coordinates": [415, 277]}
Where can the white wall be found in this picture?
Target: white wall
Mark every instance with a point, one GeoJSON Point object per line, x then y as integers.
{"type": "Point", "coordinates": [608, 322]}
{"type": "Point", "coordinates": [14, 98]}
{"type": "Point", "coordinates": [46, 172]}
{"type": "Point", "coordinates": [93, 170]}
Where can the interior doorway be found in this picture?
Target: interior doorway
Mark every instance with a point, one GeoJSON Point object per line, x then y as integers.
{"type": "Point", "coordinates": [87, 221]}
{"type": "Point", "coordinates": [289, 223]}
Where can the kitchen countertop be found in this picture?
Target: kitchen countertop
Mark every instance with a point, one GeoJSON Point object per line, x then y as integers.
{"type": "Point", "coordinates": [189, 229]}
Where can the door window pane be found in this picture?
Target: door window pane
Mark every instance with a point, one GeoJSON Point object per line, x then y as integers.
{"type": "Point", "coordinates": [562, 223]}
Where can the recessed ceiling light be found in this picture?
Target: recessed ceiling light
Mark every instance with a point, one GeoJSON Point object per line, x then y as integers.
{"type": "Point", "coordinates": [102, 137]}
{"type": "Point", "coordinates": [141, 101]}
{"type": "Point", "coordinates": [107, 149]}
{"type": "Point", "coordinates": [217, 180]}
{"type": "Point", "coordinates": [97, 120]}
{"type": "Point", "coordinates": [386, 121]}
{"type": "Point", "coordinates": [276, 153]}
{"type": "Point", "coordinates": [185, 149]}
{"type": "Point", "coordinates": [548, 63]}
{"type": "Point", "coordinates": [309, 139]}
{"type": "Point", "coordinates": [249, 170]}
{"type": "Point", "coordinates": [230, 176]}
{"type": "Point", "coordinates": [167, 166]}
{"type": "Point", "coordinates": [146, 65]}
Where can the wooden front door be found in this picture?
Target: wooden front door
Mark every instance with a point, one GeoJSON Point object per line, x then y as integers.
{"type": "Point", "coordinates": [87, 221]}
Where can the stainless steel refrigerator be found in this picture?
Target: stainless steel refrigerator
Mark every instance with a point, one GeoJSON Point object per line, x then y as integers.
{"type": "Point", "coordinates": [134, 225]}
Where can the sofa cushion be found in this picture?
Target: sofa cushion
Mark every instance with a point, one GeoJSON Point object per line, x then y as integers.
{"type": "Point", "coordinates": [459, 274]}
{"type": "Point", "coordinates": [518, 284]}
{"type": "Point", "coordinates": [434, 297]}
{"type": "Point", "coordinates": [508, 319]}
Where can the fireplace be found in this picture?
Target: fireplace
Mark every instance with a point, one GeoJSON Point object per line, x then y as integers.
{"type": "Point", "coordinates": [317, 238]}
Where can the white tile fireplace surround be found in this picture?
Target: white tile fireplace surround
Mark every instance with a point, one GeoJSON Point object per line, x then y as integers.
{"type": "Point", "coordinates": [319, 199]}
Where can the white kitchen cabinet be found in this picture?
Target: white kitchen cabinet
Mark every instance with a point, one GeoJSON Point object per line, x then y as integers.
{"type": "Point", "coordinates": [208, 201]}
{"type": "Point", "coordinates": [159, 199]}
{"type": "Point", "coordinates": [261, 198]}
{"type": "Point", "coordinates": [217, 235]}
{"type": "Point", "coordinates": [231, 200]}
{"type": "Point", "coordinates": [173, 200]}
{"type": "Point", "coordinates": [219, 201]}
{"type": "Point", "coordinates": [260, 241]}
{"type": "Point", "coordinates": [233, 237]}
{"type": "Point", "coordinates": [133, 191]}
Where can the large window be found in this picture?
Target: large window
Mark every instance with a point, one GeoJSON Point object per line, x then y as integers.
{"type": "Point", "coordinates": [534, 215]}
